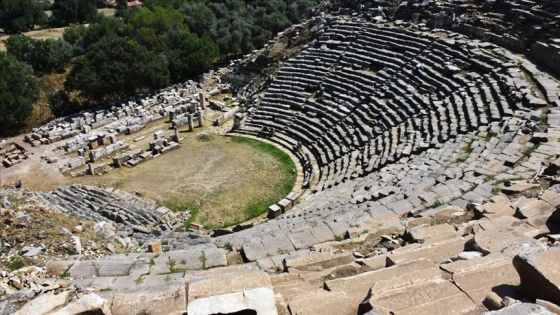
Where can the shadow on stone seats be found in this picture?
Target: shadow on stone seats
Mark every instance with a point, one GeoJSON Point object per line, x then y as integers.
{"type": "Point", "coordinates": [242, 312]}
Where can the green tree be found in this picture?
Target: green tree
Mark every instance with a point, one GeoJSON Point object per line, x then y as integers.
{"type": "Point", "coordinates": [188, 55]}
{"type": "Point", "coordinates": [200, 19]}
{"type": "Point", "coordinates": [113, 68]}
{"type": "Point", "coordinates": [121, 10]}
{"type": "Point", "coordinates": [18, 16]}
{"type": "Point", "coordinates": [43, 56]}
{"type": "Point", "coordinates": [18, 93]}
{"type": "Point", "coordinates": [66, 12]}
{"type": "Point", "coordinates": [160, 19]}
{"type": "Point", "coordinates": [74, 35]}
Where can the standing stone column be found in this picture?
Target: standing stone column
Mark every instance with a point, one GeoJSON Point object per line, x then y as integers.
{"type": "Point", "coordinates": [191, 123]}
{"type": "Point", "coordinates": [202, 100]}
{"type": "Point", "coordinates": [90, 166]}
{"type": "Point", "coordinates": [200, 119]}
{"type": "Point", "coordinates": [176, 135]}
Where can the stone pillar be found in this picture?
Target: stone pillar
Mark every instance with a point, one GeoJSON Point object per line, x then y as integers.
{"type": "Point", "coordinates": [172, 115]}
{"type": "Point", "coordinates": [200, 119]}
{"type": "Point", "coordinates": [176, 135]}
{"type": "Point", "coordinates": [202, 100]}
{"type": "Point", "coordinates": [191, 123]}
{"type": "Point", "coordinates": [90, 167]}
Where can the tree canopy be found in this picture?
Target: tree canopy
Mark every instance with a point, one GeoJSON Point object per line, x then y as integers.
{"type": "Point", "coordinates": [18, 16]}
{"type": "Point", "coordinates": [18, 93]}
{"type": "Point", "coordinates": [116, 67]}
{"type": "Point", "coordinates": [66, 12]}
{"type": "Point", "coordinates": [42, 55]}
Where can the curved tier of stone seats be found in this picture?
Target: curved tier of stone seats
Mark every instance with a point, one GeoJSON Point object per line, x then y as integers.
{"type": "Point", "coordinates": [382, 94]}
{"type": "Point", "coordinates": [110, 205]}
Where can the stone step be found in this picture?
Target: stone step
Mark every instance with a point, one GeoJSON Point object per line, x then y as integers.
{"type": "Point", "coordinates": [431, 234]}
{"type": "Point", "coordinates": [435, 252]}
{"type": "Point", "coordinates": [539, 274]}
{"type": "Point", "coordinates": [358, 286]}
{"type": "Point", "coordinates": [422, 292]}
{"type": "Point", "coordinates": [321, 302]}
{"type": "Point", "coordinates": [228, 290]}
{"type": "Point", "coordinates": [480, 276]}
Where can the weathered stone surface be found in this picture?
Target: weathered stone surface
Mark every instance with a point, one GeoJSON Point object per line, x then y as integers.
{"type": "Point", "coordinates": [315, 261]}
{"type": "Point", "coordinates": [155, 247]}
{"type": "Point", "coordinates": [44, 304]}
{"type": "Point", "coordinates": [491, 209]}
{"type": "Point", "coordinates": [480, 276]}
{"type": "Point", "coordinates": [253, 251]}
{"type": "Point", "coordinates": [493, 236]}
{"type": "Point", "coordinates": [431, 295]}
{"type": "Point", "coordinates": [204, 285]}
{"type": "Point", "coordinates": [532, 209]}
{"type": "Point", "coordinates": [431, 234]}
{"type": "Point", "coordinates": [539, 273]}
{"type": "Point", "coordinates": [169, 299]}
{"type": "Point", "coordinates": [521, 309]}
{"type": "Point", "coordinates": [358, 286]}
{"type": "Point", "coordinates": [519, 188]}
{"type": "Point", "coordinates": [320, 302]}
{"type": "Point", "coordinates": [230, 290]}
{"type": "Point", "coordinates": [90, 303]}
{"type": "Point", "coordinates": [260, 300]}
{"type": "Point", "coordinates": [435, 252]}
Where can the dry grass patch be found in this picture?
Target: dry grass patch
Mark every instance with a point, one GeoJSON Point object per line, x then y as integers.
{"type": "Point", "coordinates": [223, 180]}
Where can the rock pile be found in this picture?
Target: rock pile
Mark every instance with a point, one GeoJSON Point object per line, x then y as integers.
{"type": "Point", "coordinates": [11, 154]}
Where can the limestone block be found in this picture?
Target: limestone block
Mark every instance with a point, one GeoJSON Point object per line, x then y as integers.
{"type": "Point", "coordinates": [539, 274]}
{"type": "Point", "coordinates": [169, 299]}
{"type": "Point", "coordinates": [521, 188]}
{"type": "Point", "coordinates": [155, 247]}
{"type": "Point", "coordinates": [261, 300]}
{"type": "Point", "coordinates": [322, 233]}
{"type": "Point", "coordinates": [315, 261]}
{"type": "Point", "coordinates": [532, 209]}
{"type": "Point", "coordinates": [435, 252]}
{"type": "Point", "coordinates": [230, 290]}
{"type": "Point", "coordinates": [521, 309]}
{"type": "Point", "coordinates": [90, 303]}
{"type": "Point", "coordinates": [357, 287]}
{"type": "Point", "coordinates": [431, 234]}
{"type": "Point", "coordinates": [551, 197]}
{"type": "Point", "coordinates": [277, 245]}
{"type": "Point", "coordinates": [44, 304]}
{"type": "Point", "coordinates": [320, 302]}
{"type": "Point", "coordinates": [494, 235]}
{"type": "Point", "coordinates": [253, 251]}
{"type": "Point", "coordinates": [419, 292]}
{"type": "Point", "coordinates": [490, 209]}
{"type": "Point", "coordinates": [303, 239]}
{"type": "Point", "coordinates": [478, 277]}
{"type": "Point", "coordinates": [210, 285]}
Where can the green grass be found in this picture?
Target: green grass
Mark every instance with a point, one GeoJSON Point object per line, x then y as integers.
{"type": "Point", "coordinates": [259, 206]}
{"type": "Point", "coordinates": [219, 180]}
{"type": "Point", "coordinates": [544, 119]}
{"type": "Point", "coordinates": [16, 262]}
{"type": "Point", "coordinates": [528, 151]}
{"type": "Point", "coordinates": [286, 163]}
{"type": "Point", "coordinates": [490, 135]}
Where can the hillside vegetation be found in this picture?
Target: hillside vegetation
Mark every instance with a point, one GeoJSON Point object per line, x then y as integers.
{"type": "Point", "coordinates": [138, 50]}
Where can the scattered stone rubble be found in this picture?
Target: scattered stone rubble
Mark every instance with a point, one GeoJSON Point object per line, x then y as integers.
{"type": "Point", "coordinates": [12, 153]}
